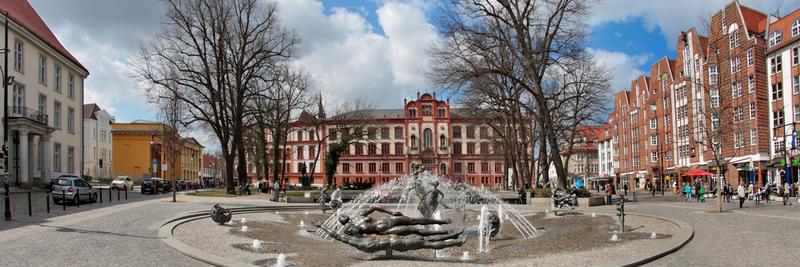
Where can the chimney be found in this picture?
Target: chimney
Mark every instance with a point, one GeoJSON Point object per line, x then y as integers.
{"type": "Point", "coordinates": [417, 95]}
{"type": "Point", "coordinates": [434, 95]}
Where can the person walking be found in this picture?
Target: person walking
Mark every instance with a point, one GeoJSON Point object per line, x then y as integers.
{"type": "Point", "coordinates": [741, 194]}
{"type": "Point", "coordinates": [702, 193]}
{"type": "Point", "coordinates": [788, 193]}
{"type": "Point", "coordinates": [625, 188]}
{"type": "Point", "coordinates": [687, 190]}
{"type": "Point", "coordinates": [653, 188]}
{"type": "Point", "coordinates": [609, 193]}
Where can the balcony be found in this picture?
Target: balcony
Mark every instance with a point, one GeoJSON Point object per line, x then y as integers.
{"type": "Point", "coordinates": [27, 113]}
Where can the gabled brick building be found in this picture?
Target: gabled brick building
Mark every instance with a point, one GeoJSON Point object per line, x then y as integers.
{"type": "Point", "coordinates": [662, 121]}
{"type": "Point", "coordinates": [783, 67]}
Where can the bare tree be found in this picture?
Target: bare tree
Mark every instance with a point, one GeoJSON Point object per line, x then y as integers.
{"type": "Point", "coordinates": [217, 50]}
{"type": "Point", "coordinates": [282, 94]}
{"type": "Point", "coordinates": [524, 41]}
{"type": "Point", "coordinates": [350, 125]}
{"type": "Point", "coordinates": [721, 131]}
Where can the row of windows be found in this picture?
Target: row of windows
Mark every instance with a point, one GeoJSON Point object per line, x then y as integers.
{"type": "Point", "coordinates": [427, 110]}
{"type": "Point", "coordinates": [42, 68]}
{"type": "Point", "coordinates": [57, 158]}
{"type": "Point", "coordinates": [18, 107]}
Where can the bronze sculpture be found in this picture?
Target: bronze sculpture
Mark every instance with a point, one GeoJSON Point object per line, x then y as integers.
{"type": "Point", "coordinates": [394, 232]}
{"type": "Point", "coordinates": [221, 215]}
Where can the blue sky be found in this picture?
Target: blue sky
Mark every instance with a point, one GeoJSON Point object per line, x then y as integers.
{"type": "Point", "coordinates": [369, 49]}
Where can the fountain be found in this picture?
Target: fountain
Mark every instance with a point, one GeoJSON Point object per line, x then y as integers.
{"type": "Point", "coordinates": [276, 212]}
{"type": "Point", "coordinates": [465, 256]}
{"type": "Point", "coordinates": [244, 228]}
{"type": "Point", "coordinates": [305, 213]}
{"type": "Point", "coordinates": [500, 213]}
{"type": "Point", "coordinates": [281, 262]}
{"type": "Point", "coordinates": [483, 231]}
{"type": "Point", "coordinates": [418, 188]}
{"type": "Point", "coordinates": [593, 214]}
{"type": "Point", "coordinates": [436, 227]}
{"type": "Point", "coordinates": [653, 235]}
{"type": "Point", "coordinates": [302, 224]}
{"type": "Point", "coordinates": [243, 221]}
{"type": "Point", "coordinates": [256, 244]}
{"type": "Point", "coordinates": [614, 238]}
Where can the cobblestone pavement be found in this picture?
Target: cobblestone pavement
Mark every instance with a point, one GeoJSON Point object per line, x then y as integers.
{"type": "Point", "coordinates": [120, 235]}
{"type": "Point", "coordinates": [126, 233]}
{"type": "Point", "coordinates": [763, 235]}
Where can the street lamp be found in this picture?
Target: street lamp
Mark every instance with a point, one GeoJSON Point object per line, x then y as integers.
{"type": "Point", "coordinates": [7, 81]}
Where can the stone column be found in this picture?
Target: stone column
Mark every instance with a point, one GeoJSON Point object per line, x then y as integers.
{"type": "Point", "coordinates": [47, 164]}
{"type": "Point", "coordinates": [24, 172]}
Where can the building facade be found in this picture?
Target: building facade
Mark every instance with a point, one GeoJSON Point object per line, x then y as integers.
{"type": "Point", "coordinates": [213, 172]}
{"type": "Point", "coordinates": [583, 164]}
{"type": "Point", "coordinates": [425, 131]}
{"type": "Point", "coordinates": [663, 125]}
{"type": "Point", "coordinates": [783, 67]}
{"type": "Point", "coordinates": [191, 159]}
{"type": "Point", "coordinates": [98, 151]}
{"type": "Point", "coordinates": [144, 154]}
{"type": "Point", "coordinates": [44, 132]}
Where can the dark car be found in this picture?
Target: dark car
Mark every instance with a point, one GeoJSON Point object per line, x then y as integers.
{"type": "Point", "coordinates": [180, 185]}
{"type": "Point", "coordinates": [166, 186]}
{"type": "Point", "coordinates": [152, 186]}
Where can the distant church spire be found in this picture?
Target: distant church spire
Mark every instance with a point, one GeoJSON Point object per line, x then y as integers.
{"type": "Point", "coordinates": [321, 108]}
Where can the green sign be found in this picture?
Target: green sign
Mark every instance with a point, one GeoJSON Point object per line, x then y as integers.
{"type": "Point", "coordinates": [783, 163]}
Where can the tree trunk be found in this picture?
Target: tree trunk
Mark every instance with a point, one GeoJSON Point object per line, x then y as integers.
{"type": "Point", "coordinates": [276, 138]}
{"type": "Point", "coordinates": [229, 160]}
{"type": "Point", "coordinates": [719, 191]}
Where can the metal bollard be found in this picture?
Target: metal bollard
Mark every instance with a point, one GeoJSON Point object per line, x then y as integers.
{"type": "Point", "coordinates": [109, 195]}
{"type": "Point", "coordinates": [7, 210]}
{"type": "Point", "coordinates": [64, 199]}
{"type": "Point", "coordinates": [30, 207]}
{"type": "Point", "coordinates": [78, 198]}
{"type": "Point", "coordinates": [117, 194]}
{"type": "Point", "coordinates": [101, 195]}
{"type": "Point", "coordinates": [621, 214]}
{"type": "Point", "coordinates": [126, 194]}
{"type": "Point", "coordinates": [47, 200]}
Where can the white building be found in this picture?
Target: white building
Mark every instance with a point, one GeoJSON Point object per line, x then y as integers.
{"type": "Point", "coordinates": [44, 120]}
{"type": "Point", "coordinates": [97, 154]}
{"type": "Point", "coordinates": [783, 58]}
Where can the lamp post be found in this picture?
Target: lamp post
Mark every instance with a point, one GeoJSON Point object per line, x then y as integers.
{"type": "Point", "coordinates": [7, 80]}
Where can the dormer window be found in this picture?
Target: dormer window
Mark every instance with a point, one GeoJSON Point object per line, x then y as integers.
{"type": "Point", "coordinates": [775, 38]}
{"type": "Point", "coordinates": [796, 27]}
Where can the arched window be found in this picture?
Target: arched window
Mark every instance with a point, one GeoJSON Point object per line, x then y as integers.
{"type": "Point", "coordinates": [427, 138]}
{"type": "Point", "coordinates": [413, 141]}
{"type": "Point", "coordinates": [443, 169]}
{"type": "Point", "coordinates": [442, 141]}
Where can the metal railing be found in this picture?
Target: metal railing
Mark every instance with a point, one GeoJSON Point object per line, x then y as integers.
{"type": "Point", "coordinates": [28, 113]}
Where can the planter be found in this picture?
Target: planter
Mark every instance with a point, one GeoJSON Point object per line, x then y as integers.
{"type": "Point", "coordinates": [591, 201]}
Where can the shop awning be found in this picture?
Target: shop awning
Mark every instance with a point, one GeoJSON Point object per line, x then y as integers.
{"type": "Point", "coordinates": [697, 172]}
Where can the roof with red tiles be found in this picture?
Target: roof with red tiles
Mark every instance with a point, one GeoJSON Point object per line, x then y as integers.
{"type": "Point", "coordinates": [21, 12]}
{"type": "Point", "coordinates": [784, 25]}
{"type": "Point", "coordinates": [753, 19]}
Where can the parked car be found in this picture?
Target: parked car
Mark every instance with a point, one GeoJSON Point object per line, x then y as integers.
{"type": "Point", "coordinates": [67, 188]}
{"type": "Point", "coordinates": [180, 185]}
{"type": "Point", "coordinates": [166, 186]}
{"type": "Point", "coordinates": [152, 186]}
{"type": "Point", "coordinates": [122, 182]}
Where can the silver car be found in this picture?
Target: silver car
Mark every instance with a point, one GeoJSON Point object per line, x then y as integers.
{"type": "Point", "coordinates": [67, 188]}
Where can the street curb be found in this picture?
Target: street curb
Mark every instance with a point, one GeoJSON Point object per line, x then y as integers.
{"type": "Point", "coordinates": [165, 233]}
{"type": "Point", "coordinates": [677, 241]}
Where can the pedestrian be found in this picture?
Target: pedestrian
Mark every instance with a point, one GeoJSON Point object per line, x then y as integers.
{"type": "Point", "coordinates": [609, 193]}
{"type": "Point", "coordinates": [687, 190]}
{"type": "Point", "coordinates": [766, 191]}
{"type": "Point", "coordinates": [625, 187]}
{"type": "Point", "coordinates": [741, 194]}
{"type": "Point", "coordinates": [788, 193]}
{"type": "Point", "coordinates": [702, 193]}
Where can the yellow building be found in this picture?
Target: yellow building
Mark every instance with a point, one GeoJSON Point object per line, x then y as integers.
{"type": "Point", "coordinates": [191, 159]}
{"type": "Point", "coordinates": [141, 154]}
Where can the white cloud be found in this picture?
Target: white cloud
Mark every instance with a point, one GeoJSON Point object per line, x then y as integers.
{"type": "Point", "coordinates": [348, 59]}
{"type": "Point", "coordinates": [623, 66]}
{"type": "Point", "coordinates": [674, 16]}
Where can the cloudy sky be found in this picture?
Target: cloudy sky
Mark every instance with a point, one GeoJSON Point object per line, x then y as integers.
{"type": "Point", "coordinates": [358, 48]}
